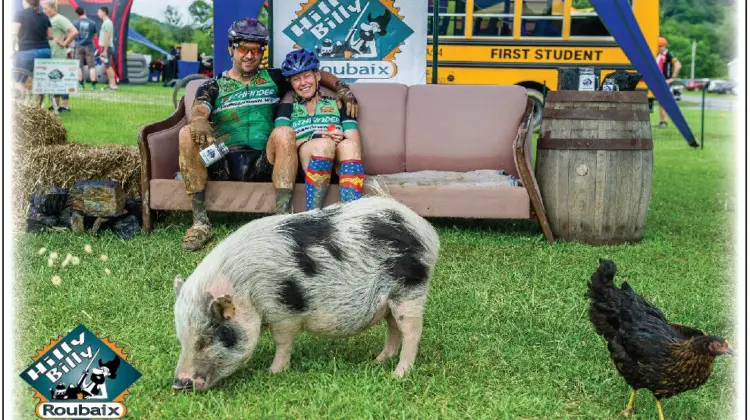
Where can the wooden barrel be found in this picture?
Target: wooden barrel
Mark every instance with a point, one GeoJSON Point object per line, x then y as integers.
{"type": "Point", "coordinates": [594, 165]}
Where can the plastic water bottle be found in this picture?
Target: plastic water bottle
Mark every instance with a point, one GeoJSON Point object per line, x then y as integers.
{"type": "Point", "coordinates": [213, 153]}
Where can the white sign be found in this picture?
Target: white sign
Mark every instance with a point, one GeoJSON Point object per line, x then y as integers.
{"type": "Point", "coordinates": [55, 77]}
{"type": "Point", "coordinates": [356, 40]}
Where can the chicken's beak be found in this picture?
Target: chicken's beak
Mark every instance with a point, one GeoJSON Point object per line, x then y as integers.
{"type": "Point", "coordinates": [730, 350]}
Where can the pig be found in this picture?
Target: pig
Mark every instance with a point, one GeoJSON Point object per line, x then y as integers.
{"type": "Point", "coordinates": [333, 272]}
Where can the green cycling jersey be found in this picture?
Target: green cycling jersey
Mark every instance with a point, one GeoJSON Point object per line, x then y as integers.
{"type": "Point", "coordinates": [327, 115]}
{"type": "Point", "coordinates": [242, 114]}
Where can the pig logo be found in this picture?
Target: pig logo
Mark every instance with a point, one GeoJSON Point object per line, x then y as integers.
{"type": "Point", "coordinates": [353, 38]}
{"type": "Point", "coordinates": [80, 375]}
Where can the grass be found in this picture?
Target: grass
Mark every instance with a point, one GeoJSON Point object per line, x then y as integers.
{"type": "Point", "coordinates": [506, 333]}
{"type": "Point", "coordinates": [106, 117]}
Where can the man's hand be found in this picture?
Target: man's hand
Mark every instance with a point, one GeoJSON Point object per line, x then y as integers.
{"type": "Point", "coordinates": [344, 95]}
{"type": "Point", "coordinates": [201, 132]}
{"type": "Point", "coordinates": [669, 81]}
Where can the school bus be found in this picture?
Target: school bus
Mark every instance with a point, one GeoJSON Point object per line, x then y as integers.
{"type": "Point", "coordinates": [524, 42]}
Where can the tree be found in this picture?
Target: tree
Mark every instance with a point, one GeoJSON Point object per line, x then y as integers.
{"type": "Point", "coordinates": [172, 16]}
{"type": "Point", "coordinates": [201, 11]}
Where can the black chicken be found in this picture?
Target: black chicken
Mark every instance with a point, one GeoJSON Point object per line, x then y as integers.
{"type": "Point", "coordinates": [648, 351]}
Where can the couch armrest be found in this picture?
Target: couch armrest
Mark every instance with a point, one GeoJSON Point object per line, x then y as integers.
{"type": "Point", "coordinates": [522, 157]}
{"type": "Point", "coordinates": [145, 153]}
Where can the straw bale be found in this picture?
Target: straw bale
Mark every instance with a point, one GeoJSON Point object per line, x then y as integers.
{"type": "Point", "coordinates": [34, 126]}
{"type": "Point", "coordinates": [63, 165]}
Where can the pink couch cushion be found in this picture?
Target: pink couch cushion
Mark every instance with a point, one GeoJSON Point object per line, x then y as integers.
{"type": "Point", "coordinates": [462, 127]}
{"type": "Point", "coordinates": [163, 147]}
{"type": "Point", "coordinates": [381, 121]}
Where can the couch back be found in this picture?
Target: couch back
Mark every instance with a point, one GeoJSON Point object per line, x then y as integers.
{"type": "Point", "coordinates": [420, 127]}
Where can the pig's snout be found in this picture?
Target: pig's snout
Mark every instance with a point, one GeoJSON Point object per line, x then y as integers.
{"type": "Point", "coordinates": [189, 383]}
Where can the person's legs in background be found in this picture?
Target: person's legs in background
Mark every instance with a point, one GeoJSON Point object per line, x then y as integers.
{"type": "Point", "coordinates": [110, 70]}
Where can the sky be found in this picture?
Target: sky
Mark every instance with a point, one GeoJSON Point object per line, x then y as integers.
{"type": "Point", "coordinates": [155, 8]}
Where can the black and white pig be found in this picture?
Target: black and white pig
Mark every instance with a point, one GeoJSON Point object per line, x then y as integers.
{"type": "Point", "coordinates": [333, 272]}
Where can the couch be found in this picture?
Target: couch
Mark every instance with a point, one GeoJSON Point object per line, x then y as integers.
{"type": "Point", "coordinates": [405, 130]}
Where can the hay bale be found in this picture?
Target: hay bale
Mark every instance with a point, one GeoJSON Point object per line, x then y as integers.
{"type": "Point", "coordinates": [63, 165]}
{"type": "Point", "coordinates": [34, 126]}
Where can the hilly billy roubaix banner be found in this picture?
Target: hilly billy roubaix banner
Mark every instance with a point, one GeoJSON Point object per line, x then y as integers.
{"type": "Point", "coordinates": [357, 40]}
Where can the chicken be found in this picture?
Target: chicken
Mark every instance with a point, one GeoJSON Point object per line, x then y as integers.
{"type": "Point", "coordinates": [648, 351]}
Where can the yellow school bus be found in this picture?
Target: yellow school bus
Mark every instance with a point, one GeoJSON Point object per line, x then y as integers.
{"type": "Point", "coordinates": [524, 42]}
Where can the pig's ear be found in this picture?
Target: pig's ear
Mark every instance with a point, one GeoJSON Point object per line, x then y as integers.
{"type": "Point", "coordinates": [222, 308]}
{"type": "Point", "coordinates": [178, 282]}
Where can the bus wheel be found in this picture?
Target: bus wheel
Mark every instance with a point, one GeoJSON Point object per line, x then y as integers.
{"type": "Point", "coordinates": [538, 99]}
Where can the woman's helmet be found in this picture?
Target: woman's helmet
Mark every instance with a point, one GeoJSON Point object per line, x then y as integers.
{"type": "Point", "coordinates": [298, 61]}
{"type": "Point", "coordinates": [248, 29]}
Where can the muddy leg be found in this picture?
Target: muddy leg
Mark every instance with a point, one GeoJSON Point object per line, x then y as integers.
{"type": "Point", "coordinates": [283, 334]}
{"type": "Point", "coordinates": [408, 316]}
{"type": "Point", "coordinates": [392, 340]}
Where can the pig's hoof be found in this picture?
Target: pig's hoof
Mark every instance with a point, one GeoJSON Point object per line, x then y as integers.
{"type": "Point", "coordinates": [277, 369]}
{"type": "Point", "coordinates": [383, 356]}
{"type": "Point", "coordinates": [400, 371]}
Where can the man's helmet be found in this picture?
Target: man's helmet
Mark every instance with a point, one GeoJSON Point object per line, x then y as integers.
{"type": "Point", "coordinates": [662, 42]}
{"type": "Point", "coordinates": [299, 61]}
{"type": "Point", "coordinates": [248, 29]}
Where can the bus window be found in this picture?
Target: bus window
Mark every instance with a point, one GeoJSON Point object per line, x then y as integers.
{"type": "Point", "coordinates": [493, 18]}
{"type": "Point", "coordinates": [542, 18]}
{"type": "Point", "coordinates": [451, 20]}
{"type": "Point", "coordinates": [584, 21]}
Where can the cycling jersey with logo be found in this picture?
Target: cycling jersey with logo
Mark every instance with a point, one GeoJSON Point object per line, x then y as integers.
{"type": "Point", "coordinates": [327, 113]}
{"type": "Point", "coordinates": [242, 115]}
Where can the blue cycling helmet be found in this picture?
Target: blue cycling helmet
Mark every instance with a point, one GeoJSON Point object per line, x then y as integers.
{"type": "Point", "coordinates": [298, 61]}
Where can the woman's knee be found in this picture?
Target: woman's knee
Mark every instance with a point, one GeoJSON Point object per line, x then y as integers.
{"type": "Point", "coordinates": [321, 147]}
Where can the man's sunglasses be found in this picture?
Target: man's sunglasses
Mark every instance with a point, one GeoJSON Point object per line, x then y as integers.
{"type": "Point", "coordinates": [245, 50]}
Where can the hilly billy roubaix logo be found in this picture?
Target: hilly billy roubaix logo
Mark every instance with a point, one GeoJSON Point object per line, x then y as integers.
{"type": "Point", "coordinates": [80, 376]}
{"type": "Point", "coordinates": [354, 39]}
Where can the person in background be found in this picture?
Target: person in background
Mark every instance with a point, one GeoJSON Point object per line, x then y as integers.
{"type": "Point", "coordinates": [84, 51]}
{"type": "Point", "coordinates": [63, 33]}
{"type": "Point", "coordinates": [670, 67]}
{"type": "Point", "coordinates": [106, 40]}
{"type": "Point", "coordinates": [32, 31]}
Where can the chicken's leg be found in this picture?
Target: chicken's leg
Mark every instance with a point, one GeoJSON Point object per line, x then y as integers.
{"type": "Point", "coordinates": [628, 411]}
{"type": "Point", "coordinates": [658, 408]}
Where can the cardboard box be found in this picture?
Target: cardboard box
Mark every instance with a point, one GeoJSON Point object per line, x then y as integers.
{"type": "Point", "coordinates": [189, 51]}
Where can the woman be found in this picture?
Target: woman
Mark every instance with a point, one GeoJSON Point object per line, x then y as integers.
{"type": "Point", "coordinates": [32, 31]}
{"type": "Point", "coordinates": [323, 130]}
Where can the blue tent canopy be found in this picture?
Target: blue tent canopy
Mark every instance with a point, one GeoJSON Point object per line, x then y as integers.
{"type": "Point", "coordinates": [135, 36]}
{"type": "Point", "coordinates": [619, 20]}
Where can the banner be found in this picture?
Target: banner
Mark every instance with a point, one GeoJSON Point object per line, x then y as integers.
{"type": "Point", "coordinates": [356, 40]}
{"type": "Point", "coordinates": [55, 77]}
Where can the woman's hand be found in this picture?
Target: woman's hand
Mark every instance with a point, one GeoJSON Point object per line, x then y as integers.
{"type": "Point", "coordinates": [336, 136]}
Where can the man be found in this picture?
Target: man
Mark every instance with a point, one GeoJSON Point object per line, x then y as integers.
{"type": "Point", "coordinates": [237, 108]}
{"type": "Point", "coordinates": [63, 33]}
{"type": "Point", "coordinates": [84, 51]}
{"type": "Point", "coordinates": [670, 67]}
{"type": "Point", "coordinates": [106, 40]}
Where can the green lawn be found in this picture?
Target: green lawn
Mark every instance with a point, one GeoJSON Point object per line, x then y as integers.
{"type": "Point", "coordinates": [107, 117]}
{"type": "Point", "coordinates": [506, 333]}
